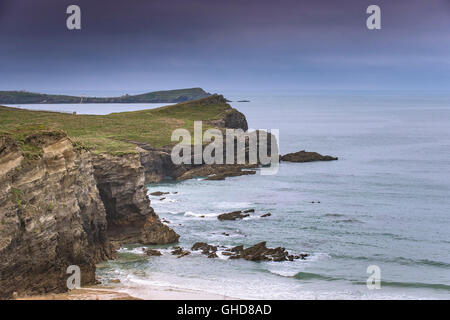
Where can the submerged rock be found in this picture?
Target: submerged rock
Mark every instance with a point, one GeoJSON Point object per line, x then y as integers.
{"type": "Point", "coordinates": [303, 156]}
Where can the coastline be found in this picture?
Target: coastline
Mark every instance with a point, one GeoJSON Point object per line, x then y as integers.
{"type": "Point", "coordinates": [102, 292]}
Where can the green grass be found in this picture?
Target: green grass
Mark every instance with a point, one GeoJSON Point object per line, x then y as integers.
{"type": "Point", "coordinates": [108, 133]}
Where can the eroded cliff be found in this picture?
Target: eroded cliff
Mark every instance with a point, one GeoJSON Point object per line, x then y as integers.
{"type": "Point", "coordinates": [62, 206]}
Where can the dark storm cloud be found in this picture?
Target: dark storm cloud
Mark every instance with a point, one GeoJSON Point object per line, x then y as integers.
{"type": "Point", "coordinates": [216, 44]}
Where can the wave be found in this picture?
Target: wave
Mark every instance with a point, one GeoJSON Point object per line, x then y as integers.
{"type": "Point", "coordinates": [312, 276]}
{"type": "Point", "coordinates": [233, 205]}
{"type": "Point", "coordinates": [418, 285]}
{"type": "Point", "coordinates": [200, 215]}
{"type": "Point", "coordinates": [399, 260]}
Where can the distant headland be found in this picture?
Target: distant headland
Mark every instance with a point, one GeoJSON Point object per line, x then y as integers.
{"type": "Point", "coordinates": [169, 96]}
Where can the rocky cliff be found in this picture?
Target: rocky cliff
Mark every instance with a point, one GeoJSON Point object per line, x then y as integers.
{"type": "Point", "coordinates": [61, 206]}
{"type": "Point", "coordinates": [121, 183]}
{"type": "Point", "coordinates": [51, 216]}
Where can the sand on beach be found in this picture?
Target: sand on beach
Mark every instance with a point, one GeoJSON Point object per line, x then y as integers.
{"type": "Point", "coordinates": [113, 293]}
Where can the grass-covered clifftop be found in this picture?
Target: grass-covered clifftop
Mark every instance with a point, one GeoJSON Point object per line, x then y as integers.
{"type": "Point", "coordinates": [169, 96]}
{"type": "Point", "coordinates": [112, 133]}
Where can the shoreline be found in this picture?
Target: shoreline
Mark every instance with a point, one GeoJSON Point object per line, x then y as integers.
{"type": "Point", "coordinates": [152, 292]}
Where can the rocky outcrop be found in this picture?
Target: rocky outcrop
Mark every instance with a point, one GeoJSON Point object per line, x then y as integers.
{"type": "Point", "coordinates": [158, 165]}
{"type": "Point", "coordinates": [121, 183]}
{"type": "Point", "coordinates": [217, 172]}
{"type": "Point", "coordinates": [235, 120]}
{"type": "Point", "coordinates": [232, 215]}
{"type": "Point", "coordinates": [51, 216]}
{"type": "Point", "coordinates": [152, 252]}
{"type": "Point", "coordinates": [62, 206]}
{"type": "Point", "coordinates": [303, 156]}
{"type": "Point", "coordinates": [259, 252]}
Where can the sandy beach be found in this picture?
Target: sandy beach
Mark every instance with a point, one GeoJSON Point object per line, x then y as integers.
{"type": "Point", "coordinates": [101, 292]}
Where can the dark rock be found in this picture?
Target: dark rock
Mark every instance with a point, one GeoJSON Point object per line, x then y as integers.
{"type": "Point", "coordinates": [259, 252]}
{"type": "Point", "coordinates": [237, 249]}
{"type": "Point", "coordinates": [255, 253]}
{"type": "Point", "coordinates": [183, 253]}
{"type": "Point", "coordinates": [223, 175]}
{"type": "Point", "coordinates": [131, 219]}
{"type": "Point", "coordinates": [249, 211]}
{"type": "Point", "coordinates": [177, 250]}
{"type": "Point", "coordinates": [152, 252]}
{"type": "Point", "coordinates": [235, 120]}
{"type": "Point", "coordinates": [158, 193]}
{"type": "Point", "coordinates": [303, 156]}
{"type": "Point", "coordinates": [266, 215]}
{"type": "Point", "coordinates": [206, 248]}
{"type": "Point", "coordinates": [161, 199]}
{"type": "Point", "coordinates": [232, 215]}
{"type": "Point", "coordinates": [212, 255]}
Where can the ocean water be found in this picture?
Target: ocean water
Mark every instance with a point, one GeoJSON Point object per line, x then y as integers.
{"type": "Point", "coordinates": [385, 202]}
{"type": "Point", "coordinates": [90, 108]}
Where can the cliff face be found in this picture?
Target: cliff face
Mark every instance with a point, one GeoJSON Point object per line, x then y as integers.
{"type": "Point", "coordinates": [121, 183]}
{"type": "Point", "coordinates": [51, 216]}
{"type": "Point", "coordinates": [62, 208]}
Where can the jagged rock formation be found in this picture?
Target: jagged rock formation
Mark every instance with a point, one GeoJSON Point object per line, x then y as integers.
{"type": "Point", "coordinates": [61, 207]}
{"type": "Point", "coordinates": [121, 183]}
{"type": "Point", "coordinates": [51, 216]}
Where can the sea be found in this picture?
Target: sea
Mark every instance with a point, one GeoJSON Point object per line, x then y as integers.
{"type": "Point", "coordinates": [383, 206]}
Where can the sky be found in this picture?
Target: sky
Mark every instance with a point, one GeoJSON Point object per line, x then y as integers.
{"type": "Point", "coordinates": [137, 46]}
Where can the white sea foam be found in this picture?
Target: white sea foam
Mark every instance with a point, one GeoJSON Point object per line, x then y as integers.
{"type": "Point", "coordinates": [200, 215]}
{"type": "Point", "coordinates": [232, 205]}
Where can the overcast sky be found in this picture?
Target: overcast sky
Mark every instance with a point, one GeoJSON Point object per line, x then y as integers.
{"type": "Point", "coordinates": [145, 45]}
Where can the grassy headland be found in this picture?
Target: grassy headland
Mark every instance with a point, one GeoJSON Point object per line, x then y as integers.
{"type": "Point", "coordinates": [169, 96]}
{"type": "Point", "coordinates": [112, 133]}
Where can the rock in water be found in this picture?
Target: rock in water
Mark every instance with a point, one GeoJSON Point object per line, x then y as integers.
{"type": "Point", "coordinates": [232, 215]}
{"type": "Point", "coordinates": [152, 252]}
{"type": "Point", "coordinates": [158, 193]}
{"type": "Point", "coordinates": [259, 252]}
{"type": "Point", "coordinates": [303, 156]}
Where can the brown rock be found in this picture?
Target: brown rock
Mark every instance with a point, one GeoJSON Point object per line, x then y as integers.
{"type": "Point", "coordinates": [121, 184]}
{"type": "Point", "coordinates": [303, 156]}
{"type": "Point", "coordinates": [266, 215]}
{"type": "Point", "coordinates": [232, 215]}
{"type": "Point", "coordinates": [158, 193]}
{"type": "Point", "coordinates": [152, 252]}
